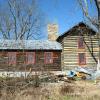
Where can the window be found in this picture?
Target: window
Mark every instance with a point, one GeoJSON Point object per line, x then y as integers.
{"type": "Point", "coordinates": [81, 43]}
{"type": "Point", "coordinates": [20, 57]}
{"type": "Point", "coordinates": [30, 57]}
{"type": "Point", "coordinates": [55, 55]}
{"type": "Point", "coordinates": [48, 57]}
{"type": "Point", "coordinates": [82, 59]}
{"type": "Point", "coordinates": [11, 58]}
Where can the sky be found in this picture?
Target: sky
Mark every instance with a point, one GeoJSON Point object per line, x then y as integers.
{"type": "Point", "coordinates": [65, 13]}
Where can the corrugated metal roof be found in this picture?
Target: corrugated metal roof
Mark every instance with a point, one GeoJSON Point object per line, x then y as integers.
{"type": "Point", "coordinates": [30, 45]}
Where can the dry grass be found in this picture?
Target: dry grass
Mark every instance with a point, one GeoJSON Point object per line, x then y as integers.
{"type": "Point", "coordinates": [76, 90]}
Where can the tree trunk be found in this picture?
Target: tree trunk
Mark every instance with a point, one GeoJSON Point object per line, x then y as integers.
{"type": "Point", "coordinates": [98, 7]}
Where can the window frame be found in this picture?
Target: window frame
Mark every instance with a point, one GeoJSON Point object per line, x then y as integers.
{"type": "Point", "coordinates": [13, 54]}
{"type": "Point", "coordinates": [26, 58]}
{"type": "Point", "coordinates": [17, 56]}
{"type": "Point", "coordinates": [79, 61]}
{"type": "Point", "coordinates": [81, 40]}
{"type": "Point", "coordinates": [45, 54]}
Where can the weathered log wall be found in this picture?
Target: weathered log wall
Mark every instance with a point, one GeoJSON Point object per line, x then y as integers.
{"type": "Point", "coordinates": [38, 65]}
{"type": "Point", "coordinates": [70, 52]}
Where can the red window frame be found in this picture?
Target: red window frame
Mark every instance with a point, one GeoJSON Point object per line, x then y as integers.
{"type": "Point", "coordinates": [82, 58]}
{"type": "Point", "coordinates": [12, 58]}
{"type": "Point", "coordinates": [18, 55]}
{"type": "Point", "coordinates": [46, 57]}
{"type": "Point", "coordinates": [27, 59]}
{"type": "Point", "coordinates": [81, 43]}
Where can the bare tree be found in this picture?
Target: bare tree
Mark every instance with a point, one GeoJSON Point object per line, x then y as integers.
{"type": "Point", "coordinates": [98, 6]}
{"type": "Point", "coordinates": [84, 6]}
{"type": "Point", "coordinates": [21, 20]}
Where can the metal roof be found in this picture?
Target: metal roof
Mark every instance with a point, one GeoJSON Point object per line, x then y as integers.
{"type": "Point", "coordinates": [30, 45]}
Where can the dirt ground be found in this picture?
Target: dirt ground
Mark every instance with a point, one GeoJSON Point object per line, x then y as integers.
{"type": "Point", "coordinates": [74, 90]}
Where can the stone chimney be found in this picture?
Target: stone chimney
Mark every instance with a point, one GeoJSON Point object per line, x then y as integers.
{"type": "Point", "coordinates": [52, 31]}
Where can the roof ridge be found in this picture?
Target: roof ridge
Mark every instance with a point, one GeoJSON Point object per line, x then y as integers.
{"type": "Point", "coordinates": [85, 23]}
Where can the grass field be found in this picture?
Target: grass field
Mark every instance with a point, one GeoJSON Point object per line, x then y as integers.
{"type": "Point", "coordinates": [74, 90]}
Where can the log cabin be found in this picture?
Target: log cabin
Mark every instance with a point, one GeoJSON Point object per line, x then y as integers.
{"type": "Point", "coordinates": [79, 47]}
{"type": "Point", "coordinates": [21, 55]}
{"type": "Point", "coordinates": [76, 47]}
